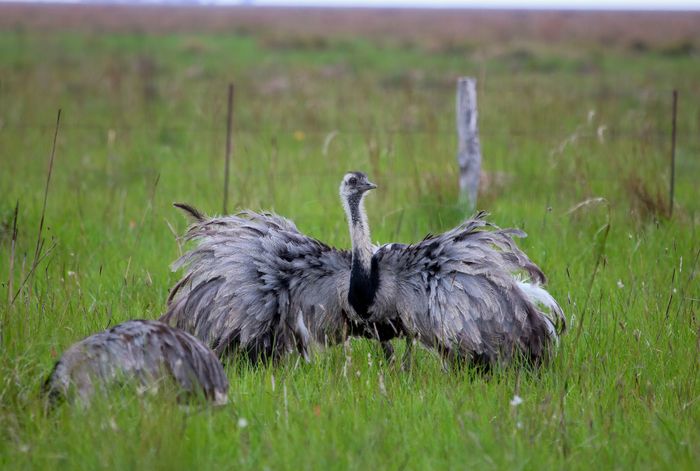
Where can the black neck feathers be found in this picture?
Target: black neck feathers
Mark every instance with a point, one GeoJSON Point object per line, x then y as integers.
{"type": "Point", "coordinates": [363, 285]}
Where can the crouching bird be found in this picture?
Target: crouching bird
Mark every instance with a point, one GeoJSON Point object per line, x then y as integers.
{"type": "Point", "coordinates": [148, 353]}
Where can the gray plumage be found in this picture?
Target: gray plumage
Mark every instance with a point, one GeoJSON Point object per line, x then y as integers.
{"type": "Point", "coordinates": [255, 284]}
{"type": "Point", "coordinates": [148, 353]}
{"type": "Point", "coordinates": [460, 292]}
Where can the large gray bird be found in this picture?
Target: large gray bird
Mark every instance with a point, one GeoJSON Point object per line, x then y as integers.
{"type": "Point", "coordinates": [149, 353]}
{"type": "Point", "coordinates": [469, 293]}
{"type": "Point", "coordinates": [255, 284]}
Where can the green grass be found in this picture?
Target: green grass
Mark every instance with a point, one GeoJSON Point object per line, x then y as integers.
{"type": "Point", "coordinates": [143, 126]}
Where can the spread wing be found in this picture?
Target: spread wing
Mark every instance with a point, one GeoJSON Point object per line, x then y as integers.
{"type": "Point", "coordinates": [254, 283]}
{"type": "Point", "coordinates": [457, 292]}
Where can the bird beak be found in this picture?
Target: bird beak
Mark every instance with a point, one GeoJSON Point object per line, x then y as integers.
{"type": "Point", "coordinates": [369, 186]}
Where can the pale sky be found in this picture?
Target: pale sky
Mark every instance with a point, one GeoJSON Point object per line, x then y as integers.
{"type": "Point", "coordinates": [495, 4]}
{"type": "Point", "coordinates": [539, 4]}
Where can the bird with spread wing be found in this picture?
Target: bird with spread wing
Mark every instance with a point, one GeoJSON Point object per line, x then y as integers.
{"type": "Point", "coordinates": [255, 284]}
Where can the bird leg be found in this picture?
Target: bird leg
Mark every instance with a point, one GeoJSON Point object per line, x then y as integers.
{"type": "Point", "coordinates": [450, 358]}
{"type": "Point", "coordinates": [302, 337]}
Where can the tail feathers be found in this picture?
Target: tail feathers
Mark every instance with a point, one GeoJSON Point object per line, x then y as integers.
{"type": "Point", "coordinates": [555, 318]}
{"type": "Point", "coordinates": [193, 213]}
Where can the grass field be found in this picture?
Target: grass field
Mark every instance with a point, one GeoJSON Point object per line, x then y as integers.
{"type": "Point", "coordinates": [562, 122]}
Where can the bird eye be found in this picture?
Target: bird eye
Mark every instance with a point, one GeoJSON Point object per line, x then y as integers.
{"type": "Point", "coordinates": [352, 181]}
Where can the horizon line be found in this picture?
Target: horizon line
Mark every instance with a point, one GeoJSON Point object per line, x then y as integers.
{"type": "Point", "coordinates": [506, 5]}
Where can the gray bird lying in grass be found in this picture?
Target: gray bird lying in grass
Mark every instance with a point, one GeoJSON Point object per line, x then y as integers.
{"type": "Point", "coordinates": [255, 284]}
{"type": "Point", "coordinates": [148, 353]}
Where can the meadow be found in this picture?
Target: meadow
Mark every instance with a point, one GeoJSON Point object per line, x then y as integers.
{"type": "Point", "coordinates": [576, 142]}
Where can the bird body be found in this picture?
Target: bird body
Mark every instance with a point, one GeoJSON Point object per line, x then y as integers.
{"type": "Point", "coordinates": [147, 352]}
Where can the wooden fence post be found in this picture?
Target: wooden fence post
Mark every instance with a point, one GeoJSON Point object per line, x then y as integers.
{"type": "Point", "coordinates": [469, 149]}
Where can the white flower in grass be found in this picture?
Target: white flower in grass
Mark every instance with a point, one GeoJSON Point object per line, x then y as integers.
{"type": "Point", "coordinates": [113, 424]}
{"type": "Point", "coordinates": [242, 422]}
{"type": "Point", "coordinates": [516, 401]}
{"type": "Point", "coordinates": [620, 284]}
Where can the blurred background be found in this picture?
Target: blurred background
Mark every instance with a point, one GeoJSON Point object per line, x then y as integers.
{"type": "Point", "coordinates": [572, 104]}
{"type": "Point", "coordinates": [560, 93]}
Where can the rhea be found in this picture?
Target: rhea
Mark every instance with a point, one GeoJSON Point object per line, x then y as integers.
{"type": "Point", "coordinates": [148, 354]}
{"type": "Point", "coordinates": [469, 293]}
{"type": "Point", "coordinates": [255, 284]}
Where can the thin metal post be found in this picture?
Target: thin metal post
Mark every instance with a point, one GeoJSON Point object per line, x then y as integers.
{"type": "Point", "coordinates": [229, 144]}
{"type": "Point", "coordinates": [673, 152]}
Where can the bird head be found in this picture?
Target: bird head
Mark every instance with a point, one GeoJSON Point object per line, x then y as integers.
{"type": "Point", "coordinates": [355, 184]}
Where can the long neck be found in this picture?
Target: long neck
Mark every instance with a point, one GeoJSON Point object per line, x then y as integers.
{"type": "Point", "coordinates": [364, 275]}
{"type": "Point", "coordinates": [359, 232]}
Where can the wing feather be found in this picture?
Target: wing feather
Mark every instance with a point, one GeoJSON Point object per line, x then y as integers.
{"type": "Point", "coordinates": [459, 292]}
{"type": "Point", "coordinates": [254, 283]}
